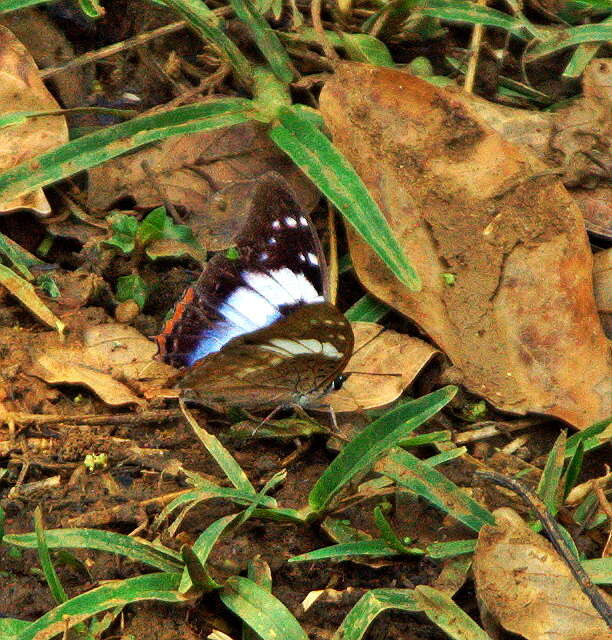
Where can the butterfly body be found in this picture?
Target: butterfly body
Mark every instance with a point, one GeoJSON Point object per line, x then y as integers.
{"type": "Point", "coordinates": [257, 331]}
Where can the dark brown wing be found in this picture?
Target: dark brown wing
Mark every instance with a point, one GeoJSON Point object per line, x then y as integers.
{"type": "Point", "coordinates": [292, 362]}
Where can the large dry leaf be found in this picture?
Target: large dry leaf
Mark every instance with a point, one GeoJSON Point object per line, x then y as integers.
{"type": "Point", "coordinates": [523, 585]}
{"type": "Point", "coordinates": [21, 89]}
{"type": "Point", "coordinates": [602, 282]}
{"type": "Point", "coordinates": [519, 322]}
{"type": "Point", "coordinates": [185, 167]}
{"type": "Point", "coordinates": [383, 365]}
{"type": "Point", "coordinates": [110, 354]}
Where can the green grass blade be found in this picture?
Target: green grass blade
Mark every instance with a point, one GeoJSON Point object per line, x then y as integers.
{"type": "Point", "coordinates": [221, 456]}
{"type": "Point", "coordinates": [156, 586]}
{"type": "Point", "coordinates": [436, 488]}
{"type": "Point", "coordinates": [574, 467]}
{"type": "Point", "coordinates": [337, 179]}
{"type": "Point", "coordinates": [204, 545]}
{"type": "Point", "coordinates": [21, 260]}
{"type": "Point", "coordinates": [346, 550]}
{"type": "Point", "coordinates": [441, 550]}
{"type": "Point", "coordinates": [549, 488]}
{"type": "Point", "coordinates": [471, 13]}
{"type": "Point", "coordinates": [443, 612]}
{"type": "Point", "coordinates": [265, 38]}
{"type": "Point", "coordinates": [371, 605]}
{"type": "Point", "coordinates": [362, 47]}
{"type": "Point", "coordinates": [367, 309]}
{"type": "Point", "coordinates": [100, 146]}
{"type": "Point", "coordinates": [387, 532]}
{"type": "Point", "coordinates": [205, 23]}
{"type": "Point", "coordinates": [564, 38]}
{"type": "Point", "coordinates": [258, 571]}
{"type": "Point", "coordinates": [594, 436]}
{"type": "Point", "coordinates": [14, 5]}
{"type": "Point", "coordinates": [134, 548]}
{"type": "Point", "coordinates": [260, 610]}
{"type": "Point", "coordinates": [55, 586]}
{"type": "Point", "coordinates": [372, 442]}
{"type": "Point", "coordinates": [599, 570]}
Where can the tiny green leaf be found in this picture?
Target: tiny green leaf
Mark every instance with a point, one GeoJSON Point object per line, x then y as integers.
{"type": "Point", "coordinates": [132, 287]}
{"type": "Point", "coordinates": [124, 229]}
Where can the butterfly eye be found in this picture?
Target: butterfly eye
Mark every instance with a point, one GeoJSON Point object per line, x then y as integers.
{"type": "Point", "coordinates": [338, 382]}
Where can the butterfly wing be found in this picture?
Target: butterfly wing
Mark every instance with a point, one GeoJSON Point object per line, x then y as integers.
{"type": "Point", "coordinates": [294, 361]}
{"type": "Point", "coordinates": [279, 268]}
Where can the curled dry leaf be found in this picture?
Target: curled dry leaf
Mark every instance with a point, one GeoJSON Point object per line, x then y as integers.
{"type": "Point", "coordinates": [187, 166]}
{"type": "Point", "coordinates": [383, 365]}
{"type": "Point", "coordinates": [110, 354]}
{"type": "Point", "coordinates": [21, 89]}
{"type": "Point", "coordinates": [523, 585]}
{"type": "Point", "coordinates": [517, 314]}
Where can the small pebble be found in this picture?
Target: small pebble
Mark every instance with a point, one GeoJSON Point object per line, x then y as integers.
{"type": "Point", "coordinates": [126, 311]}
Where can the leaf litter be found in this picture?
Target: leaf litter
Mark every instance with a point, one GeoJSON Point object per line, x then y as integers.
{"type": "Point", "coordinates": [105, 375]}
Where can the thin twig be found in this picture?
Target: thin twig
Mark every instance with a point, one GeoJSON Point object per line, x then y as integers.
{"type": "Point", "coordinates": [556, 538]}
{"type": "Point", "coordinates": [112, 49]}
{"type": "Point", "coordinates": [598, 488]}
{"type": "Point", "coordinates": [131, 419]}
{"type": "Point", "coordinates": [315, 14]}
{"type": "Point", "coordinates": [161, 194]}
{"type": "Point", "coordinates": [333, 254]}
{"type": "Point", "coordinates": [474, 49]}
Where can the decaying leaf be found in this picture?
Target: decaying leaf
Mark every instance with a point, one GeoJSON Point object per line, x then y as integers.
{"type": "Point", "coordinates": [187, 168]}
{"type": "Point", "coordinates": [21, 89]}
{"type": "Point", "coordinates": [110, 354]}
{"type": "Point", "coordinates": [499, 244]}
{"type": "Point", "coordinates": [523, 585]}
{"type": "Point", "coordinates": [602, 283]}
{"type": "Point", "coordinates": [383, 365]}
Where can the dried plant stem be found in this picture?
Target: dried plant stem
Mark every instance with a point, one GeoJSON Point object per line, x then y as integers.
{"type": "Point", "coordinates": [475, 43]}
{"type": "Point", "coordinates": [131, 419]}
{"type": "Point", "coordinates": [315, 14]}
{"type": "Point", "coordinates": [112, 49]}
{"type": "Point", "coordinates": [333, 254]}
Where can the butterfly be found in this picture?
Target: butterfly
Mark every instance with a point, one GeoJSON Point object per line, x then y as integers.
{"type": "Point", "coordinates": [257, 330]}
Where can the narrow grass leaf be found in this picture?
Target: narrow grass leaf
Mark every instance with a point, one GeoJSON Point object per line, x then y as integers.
{"type": "Point", "coordinates": [258, 571]}
{"type": "Point", "coordinates": [580, 60]}
{"type": "Point", "coordinates": [156, 586]}
{"type": "Point", "coordinates": [55, 586]}
{"type": "Point", "coordinates": [564, 38]}
{"type": "Point", "coordinates": [279, 514]}
{"type": "Point", "coordinates": [13, 5]}
{"type": "Point", "coordinates": [220, 454]}
{"type": "Point", "coordinates": [443, 612]}
{"type": "Point", "coordinates": [437, 489]}
{"type": "Point", "coordinates": [367, 309]}
{"type": "Point", "coordinates": [549, 488]}
{"type": "Point", "coordinates": [205, 23]}
{"type": "Point", "coordinates": [196, 572]}
{"type": "Point", "coordinates": [265, 38]}
{"type": "Point", "coordinates": [134, 548]}
{"type": "Point", "coordinates": [110, 142]}
{"type": "Point", "coordinates": [470, 13]}
{"type": "Point", "coordinates": [25, 293]}
{"type": "Point", "coordinates": [570, 477]}
{"type": "Point", "coordinates": [21, 260]}
{"type": "Point", "coordinates": [441, 550]}
{"type": "Point", "coordinates": [260, 610]}
{"type": "Point", "coordinates": [345, 551]}
{"type": "Point", "coordinates": [599, 570]}
{"type": "Point", "coordinates": [372, 442]}
{"type": "Point", "coordinates": [204, 545]}
{"type": "Point", "coordinates": [337, 179]}
{"type": "Point", "coordinates": [370, 605]}
{"type": "Point", "coordinates": [596, 435]}
{"type": "Point", "coordinates": [426, 438]}
{"type": "Point", "coordinates": [387, 532]}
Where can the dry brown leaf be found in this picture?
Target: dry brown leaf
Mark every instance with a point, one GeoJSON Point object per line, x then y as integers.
{"type": "Point", "coordinates": [519, 322]}
{"type": "Point", "coordinates": [21, 89]}
{"type": "Point", "coordinates": [602, 283]}
{"type": "Point", "coordinates": [111, 353]}
{"type": "Point", "coordinates": [383, 365]}
{"type": "Point", "coordinates": [596, 207]}
{"type": "Point", "coordinates": [186, 165]}
{"type": "Point", "coordinates": [523, 585]}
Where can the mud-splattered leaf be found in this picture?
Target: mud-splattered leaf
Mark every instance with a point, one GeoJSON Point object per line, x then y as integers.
{"type": "Point", "coordinates": [526, 588]}
{"type": "Point", "coordinates": [519, 322]}
{"type": "Point", "coordinates": [22, 89]}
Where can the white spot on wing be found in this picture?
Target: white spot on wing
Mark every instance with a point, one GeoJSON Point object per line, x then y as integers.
{"type": "Point", "coordinates": [313, 259]}
{"type": "Point", "coordinates": [276, 224]}
{"type": "Point", "coordinates": [303, 221]}
{"type": "Point", "coordinates": [290, 222]}
{"type": "Point", "coordinates": [263, 256]}
{"type": "Point", "coordinates": [272, 240]}
{"type": "Point", "coordinates": [287, 347]}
